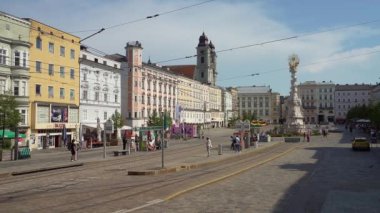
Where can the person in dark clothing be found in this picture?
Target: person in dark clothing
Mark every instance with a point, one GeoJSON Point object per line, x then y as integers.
{"type": "Point", "coordinates": [73, 149]}
{"type": "Point", "coordinates": [233, 141]}
{"type": "Point", "coordinates": [124, 143]}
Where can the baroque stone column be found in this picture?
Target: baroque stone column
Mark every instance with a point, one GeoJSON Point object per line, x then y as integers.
{"type": "Point", "coordinates": [294, 118]}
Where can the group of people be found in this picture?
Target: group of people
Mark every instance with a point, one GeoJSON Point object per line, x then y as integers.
{"type": "Point", "coordinates": [235, 143]}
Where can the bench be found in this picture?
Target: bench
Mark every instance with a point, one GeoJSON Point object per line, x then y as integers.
{"type": "Point", "coordinates": [292, 139]}
{"type": "Point", "coordinates": [122, 152]}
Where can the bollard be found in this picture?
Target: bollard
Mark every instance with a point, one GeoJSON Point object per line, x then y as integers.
{"type": "Point", "coordinates": [256, 144]}
{"type": "Point", "coordinates": [220, 149]}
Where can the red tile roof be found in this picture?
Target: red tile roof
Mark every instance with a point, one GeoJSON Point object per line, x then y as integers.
{"type": "Point", "coordinates": [185, 70]}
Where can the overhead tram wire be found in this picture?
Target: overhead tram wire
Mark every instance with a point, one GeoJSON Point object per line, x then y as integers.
{"type": "Point", "coordinates": [277, 40]}
{"type": "Point", "coordinates": [147, 17]}
{"type": "Point", "coordinates": [307, 65]}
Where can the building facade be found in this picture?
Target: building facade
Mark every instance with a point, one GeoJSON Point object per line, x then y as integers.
{"type": "Point", "coordinates": [227, 105]}
{"type": "Point", "coordinates": [348, 96]}
{"type": "Point", "coordinates": [53, 86]}
{"type": "Point", "coordinates": [100, 90]}
{"type": "Point", "coordinates": [375, 94]}
{"type": "Point", "coordinates": [259, 101]}
{"type": "Point", "coordinates": [149, 88]}
{"type": "Point", "coordinates": [15, 64]}
{"type": "Point", "coordinates": [317, 101]}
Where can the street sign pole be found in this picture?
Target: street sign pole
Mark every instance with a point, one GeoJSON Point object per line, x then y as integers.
{"type": "Point", "coordinates": [162, 140]}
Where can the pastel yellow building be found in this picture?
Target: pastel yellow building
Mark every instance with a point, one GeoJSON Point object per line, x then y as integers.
{"type": "Point", "coordinates": [53, 86]}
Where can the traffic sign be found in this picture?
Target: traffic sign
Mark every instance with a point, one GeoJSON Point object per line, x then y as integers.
{"type": "Point", "coordinates": [108, 126]}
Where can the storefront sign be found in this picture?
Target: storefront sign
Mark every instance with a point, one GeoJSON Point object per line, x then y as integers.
{"type": "Point", "coordinates": [59, 114]}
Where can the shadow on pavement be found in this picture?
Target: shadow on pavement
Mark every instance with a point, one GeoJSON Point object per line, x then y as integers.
{"type": "Point", "coordinates": [341, 180]}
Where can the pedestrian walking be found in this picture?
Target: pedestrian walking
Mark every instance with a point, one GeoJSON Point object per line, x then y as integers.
{"type": "Point", "coordinates": [304, 136]}
{"type": "Point", "coordinates": [208, 146]}
{"type": "Point", "coordinates": [233, 142]}
{"type": "Point", "coordinates": [124, 143]}
{"type": "Point", "coordinates": [73, 150]}
{"type": "Point", "coordinates": [237, 144]}
{"type": "Point", "coordinates": [308, 137]}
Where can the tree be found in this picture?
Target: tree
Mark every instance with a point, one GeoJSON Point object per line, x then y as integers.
{"type": "Point", "coordinates": [155, 120]}
{"type": "Point", "coordinates": [8, 109]}
{"type": "Point", "coordinates": [117, 120]}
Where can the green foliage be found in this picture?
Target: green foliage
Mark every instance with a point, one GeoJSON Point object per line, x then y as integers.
{"type": "Point", "coordinates": [8, 107]}
{"type": "Point", "coordinates": [248, 116]}
{"type": "Point", "coordinates": [371, 112]}
{"type": "Point", "coordinates": [156, 120]}
{"type": "Point", "coordinates": [117, 120]}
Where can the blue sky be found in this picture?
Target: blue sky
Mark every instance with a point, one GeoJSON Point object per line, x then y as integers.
{"type": "Point", "coordinates": [353, 52]}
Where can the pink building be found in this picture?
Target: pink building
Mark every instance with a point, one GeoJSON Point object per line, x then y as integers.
{"type": "Point", "coordinates": [146, 88]}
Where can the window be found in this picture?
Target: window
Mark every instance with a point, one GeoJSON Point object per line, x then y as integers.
{"type": "Point", "coordinates": [72, 73]}
{"type": "Point", "coordinates": [24, 56]}
{"type": "Point", "coordinates": [51, 91]}
{"type": "Point", "coordinates": [62, 51]}
{"type": "Point", "coordinates": [105, 97]}
{"type": "Point", "coordinates": [96, 60]}
{"type": "Point", "coordinates": [51, 69]}
{"type": "Point", "coordinates": [23, 88]}
{"type": "Point", "coordinates": [62, 93]}
{"type": "Point", "coordinates": [135, 114]}
{"type": "Point", "coordinates": [23, 117]}
{"type": "Point", "coordinates": [17, 58]}
{"type": "Point", "coordinates": [84, 114]}
{"type": "Point", "coordinates": [96, 96]}
{"type": "Point", "coordinates": [16, 85]}
{"type": "Point", "coordinates": [38, 66]}
{"type": "Point", "coordinates": [72, 94]}
{"type": "Point", "coordinates": [105, 116]}
{"type": "Point", "coordinates": [202, 75]}
{"type": "Point", "coordinates": [116, 98]}
{"type": "Point", "coordinates": [202, 60]}
{"type": "Point", "coordinates": [84, 76]}
{"type": "Point", "coordinates": [38, 43]}
{"type": "Point", "coordinates": [84, 95]}
{"type": "Point", "coordinates": [105, 62]}
{"type": "Point", "coordinates": [3, 56]}
{"type": "Point", "coordinates": [62, 72]}
{"type": "Point", "coordinates": [51, 47]}
{"type": "Point", "coordinates": [72, 54]}
{"type": "Point", "coordinates": [2, 86]}
{"type": "Point", "coordinates": [38, 89]}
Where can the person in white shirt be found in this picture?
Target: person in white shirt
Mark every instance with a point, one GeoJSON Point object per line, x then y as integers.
{"type": "Point", "coordinates": [208, 146]}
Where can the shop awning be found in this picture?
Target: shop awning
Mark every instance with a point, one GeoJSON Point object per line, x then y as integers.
{"type": "Point", "coordinates": [93, 126]}
{"type": "Point", "coordinates": [126, 128]}
{"type": "Point", "coordinates": [10, 134]}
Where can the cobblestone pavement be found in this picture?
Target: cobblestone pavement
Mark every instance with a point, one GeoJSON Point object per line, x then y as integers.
{"type": "Point", "coordinates": [324, 176]}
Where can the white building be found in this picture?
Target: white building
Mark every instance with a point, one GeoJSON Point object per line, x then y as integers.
{"type": "Point", "coordinates": [14, 63]}
{"type": "Point", "coordinates": [348, 96]}
{"type": "Point", "coordinates": [100, 89]}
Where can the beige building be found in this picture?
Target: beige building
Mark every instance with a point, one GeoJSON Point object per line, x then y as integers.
{"type": "Point", "coordinates": [317, 101]}
{"type": "Point", "coordinates": [259, 101]}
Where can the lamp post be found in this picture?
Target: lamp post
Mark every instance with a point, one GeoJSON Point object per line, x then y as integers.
{"type": "Point", "coordinates": [162, 139]}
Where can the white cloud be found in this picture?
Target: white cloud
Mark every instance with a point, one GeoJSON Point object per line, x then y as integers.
{"type": "Point", "coordinates": [227, 24]}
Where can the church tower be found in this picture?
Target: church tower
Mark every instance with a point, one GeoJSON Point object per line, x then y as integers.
{"type": "Point", "coordinates": [206, 61]}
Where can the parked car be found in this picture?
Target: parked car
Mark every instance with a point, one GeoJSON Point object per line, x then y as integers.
{"type": "Point", "coordinates": [361, 144]}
